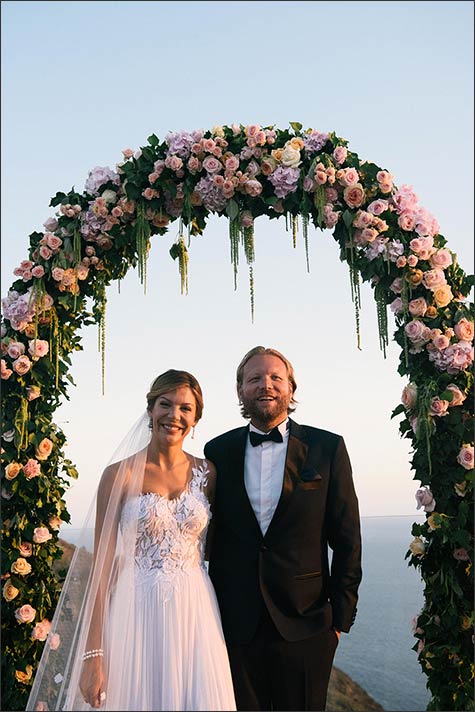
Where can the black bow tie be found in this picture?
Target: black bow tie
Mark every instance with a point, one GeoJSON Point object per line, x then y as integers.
{"type": "Point", "coordinates": [258, 438]}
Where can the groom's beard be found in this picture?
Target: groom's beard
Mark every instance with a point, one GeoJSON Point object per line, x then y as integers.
{"type": "Point", "coordinates": [267, 411]}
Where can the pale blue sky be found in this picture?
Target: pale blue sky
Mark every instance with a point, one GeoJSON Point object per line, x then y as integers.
{"type": "Point", "coordinates": [83, 80]}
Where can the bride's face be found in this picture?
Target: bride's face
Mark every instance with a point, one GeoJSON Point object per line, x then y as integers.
{"type": "Point", "coordinates": [173, 415]}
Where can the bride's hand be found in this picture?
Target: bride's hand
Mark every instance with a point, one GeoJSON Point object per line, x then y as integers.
{"type": "Point", "coordinates": [92, 683]}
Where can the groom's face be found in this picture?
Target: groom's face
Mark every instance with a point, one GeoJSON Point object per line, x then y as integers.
{"type": "Point", "coordinates": [265, 390]}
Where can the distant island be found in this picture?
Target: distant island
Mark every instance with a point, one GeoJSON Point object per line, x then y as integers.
{"type": "Point", "coordinates": [344, 694]}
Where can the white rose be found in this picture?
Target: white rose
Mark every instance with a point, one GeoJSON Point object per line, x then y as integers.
{"type": "Point", "coordinates": [109, 196]}
{"type": "Point", "coordinates": [290, 157]}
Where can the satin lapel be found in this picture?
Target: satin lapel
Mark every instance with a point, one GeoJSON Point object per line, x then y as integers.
{"type": "Point", "coordinates": [294, 462]}
{"type": "Point", "coordinates": [246, 519]}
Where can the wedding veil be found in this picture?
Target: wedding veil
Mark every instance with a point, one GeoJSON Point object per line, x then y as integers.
{"type": "Point", "coordinates": [97, 584]}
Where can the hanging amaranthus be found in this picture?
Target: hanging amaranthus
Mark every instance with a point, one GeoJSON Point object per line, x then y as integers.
{"type": "Point", "coordinates": [248, 240]}
{"type": "Point", "coordinates": [142, 241]}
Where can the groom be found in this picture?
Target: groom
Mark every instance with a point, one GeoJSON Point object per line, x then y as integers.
{"type": "Point", "coordinates": [284, 494]}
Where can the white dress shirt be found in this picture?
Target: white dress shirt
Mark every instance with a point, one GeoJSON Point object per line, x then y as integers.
{"type": "Point", "coordinates": [264, 474]}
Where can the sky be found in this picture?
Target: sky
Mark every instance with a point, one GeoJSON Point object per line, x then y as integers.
{"type": "Point", "coordinates": [83, 80]}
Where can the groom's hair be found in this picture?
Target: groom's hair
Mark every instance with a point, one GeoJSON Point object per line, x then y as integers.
{"type": "Point", "coordinates": [263, 350]}
{"type": "Point", "coordinates": [170, 381]}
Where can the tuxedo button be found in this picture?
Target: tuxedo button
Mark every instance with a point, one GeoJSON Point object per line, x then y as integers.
{"type": "Point", "coordinates": [264, 547]}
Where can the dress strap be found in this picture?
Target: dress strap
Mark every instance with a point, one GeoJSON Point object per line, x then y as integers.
{"type": "Point", "coordinates": [200, 474]}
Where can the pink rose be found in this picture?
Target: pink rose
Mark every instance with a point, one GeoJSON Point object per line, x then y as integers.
{"type": "Point", "coordinates": [15, 349]}
{"type": "Point", "coordinates": [434, 278]}
{"type": "Point", "coordinates": [422, 246]}
{"type": "Point", "coordinates": [5, 372]}
{"type": "Point", "coordinates": [465, 457]}
{"type": "Point", "coordinates": [397, 306]}
{"type": "Point", "coordinates": [441, 259]}
{"type": "Point", "coordinates": [441, 341]}
{"type": "Point", "coordinates": [82, 271]}
{"type": "Point", "coordinates": [414, 330]}
{"type": "Point", "coordinates": [339, 154]}
{"type": "Point", "coordinates": [363, 219]}
{"type": "Point", "coordinates": [409, 396]}
{"type": "Point", "coordinates": [175, 163]}
{"type": "Point", "coordinates": [461, 554]}
{"type": "Point", "coordinates": [54, 641]}
{"type": "Point", "coordinates": [45, 252]}
{"type": "Point", "coordinates": [438, 407]}
{"type": "Point", "coordinates": [148, 194]}
{"type": "Point", "coordinates": [384, 177]}
{"type": "Point", "coordinates": [32, 469]}
{"type": "Point", "coordinates": [378, 206]}
{"type": "Point", "coordinates": [43, 450]}
{"type": "Point", "coordinates": [53, 242]}
{"type": "Point", "coordinates": [458, 395]}
{"type": "Point", "coordinates": [232, 163]}
{"type": "Point", "coordinates": [38, 271]}
{"type": "Point", "coordinates": [25, 614]}
{"type": "Point", "coordinates": [418, 307]}
{"type": "Point", "coordinates": [41, 630]}
{"type": "Point", "coordinates": [349, 177]}
{"type": "Point", "coordinates": [464, 330]}
{"type": "Point", "coordinates": [212, 165]}
{"type": "Point", "coordinates": [128, 152]}
{"type": "Point", "coordinates": [396, 285]}
{"type": "Point", "coordinates": [425, 498]}
{"type": "Point", "coordinates": [37, 348]}
{"type": "Point", "coordinates": [41, 534]}
{"type": "Point", "coordinates": [407, 220]}
{"type": "Point", "coordinates": [354, 195]}
{"type": "Point", "coordinates": [51, 224]}
{"type": "Point", "coordinates": [26, 549]}
{"type": "Point", "coordinates": [369, 234]}
{"type": "Point", "coordinates": [22, 365]}
{"type": "Point", "coordinates": [57, 273]}
{"type": "Point", "coordinates": [253, 187]}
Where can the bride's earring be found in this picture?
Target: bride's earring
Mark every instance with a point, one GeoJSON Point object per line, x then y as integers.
{"type": "Point", "coordinates": [193, 433]}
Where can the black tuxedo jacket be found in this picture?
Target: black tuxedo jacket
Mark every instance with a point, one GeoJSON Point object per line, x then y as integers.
{"type": "Point", "coordinates": [287, 570]}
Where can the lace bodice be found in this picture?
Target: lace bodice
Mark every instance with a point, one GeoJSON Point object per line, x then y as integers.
{"type": "Point", "coordinates": [169, 533]}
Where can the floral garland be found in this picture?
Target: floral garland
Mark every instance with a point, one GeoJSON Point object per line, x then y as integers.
{"type": "Point", "coordinates": [241, 172]}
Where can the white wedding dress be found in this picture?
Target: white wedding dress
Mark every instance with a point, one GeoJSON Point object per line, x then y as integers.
{"type": "Point", "coordinates": [176, 656]}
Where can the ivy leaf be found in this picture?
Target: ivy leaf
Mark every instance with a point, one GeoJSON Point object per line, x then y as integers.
{"type": "Point", "coordinates": [57, 199]}
{"type": "Point", "coordinates": [296, 125]}
{"type": "Point", "coordinates": [399, 409]}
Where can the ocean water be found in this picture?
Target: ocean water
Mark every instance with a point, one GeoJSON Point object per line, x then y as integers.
{"type": "Point", "coordinates": [377, 652]}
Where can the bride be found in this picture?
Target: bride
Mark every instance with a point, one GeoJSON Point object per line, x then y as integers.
{"type": "Point", "coordinates": [142, 631]}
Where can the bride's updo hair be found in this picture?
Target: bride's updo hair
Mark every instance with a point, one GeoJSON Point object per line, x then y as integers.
{"type": "Point", "coordinates": [170, 381]}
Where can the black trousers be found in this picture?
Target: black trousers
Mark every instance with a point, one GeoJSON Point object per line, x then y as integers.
{"type": "Point", "coordinates": [271, 673]}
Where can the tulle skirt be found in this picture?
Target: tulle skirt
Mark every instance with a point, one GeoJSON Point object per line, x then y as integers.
{"type": "Point", "coordinates": [170, 654]}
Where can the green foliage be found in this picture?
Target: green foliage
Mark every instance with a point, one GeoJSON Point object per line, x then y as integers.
{"type": "Point", "coordinates": [97, 235]}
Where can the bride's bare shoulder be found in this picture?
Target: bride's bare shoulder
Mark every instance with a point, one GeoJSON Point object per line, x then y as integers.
{"type": "Point", "coordinates": [117, 473]}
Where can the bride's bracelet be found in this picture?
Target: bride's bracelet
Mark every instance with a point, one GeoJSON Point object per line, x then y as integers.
{"type": "Point", "coordinates": [95, 653]}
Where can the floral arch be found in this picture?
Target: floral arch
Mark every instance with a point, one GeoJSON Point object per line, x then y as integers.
{"type": "Point", "coordinates": [241, 172]}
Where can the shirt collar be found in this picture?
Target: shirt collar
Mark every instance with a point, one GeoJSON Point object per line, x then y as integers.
{"type": "Point", "coordinates": [282, 427]}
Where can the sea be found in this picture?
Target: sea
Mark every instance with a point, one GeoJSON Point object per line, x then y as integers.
{"type": "Point", "coordinates": [377, 653]}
